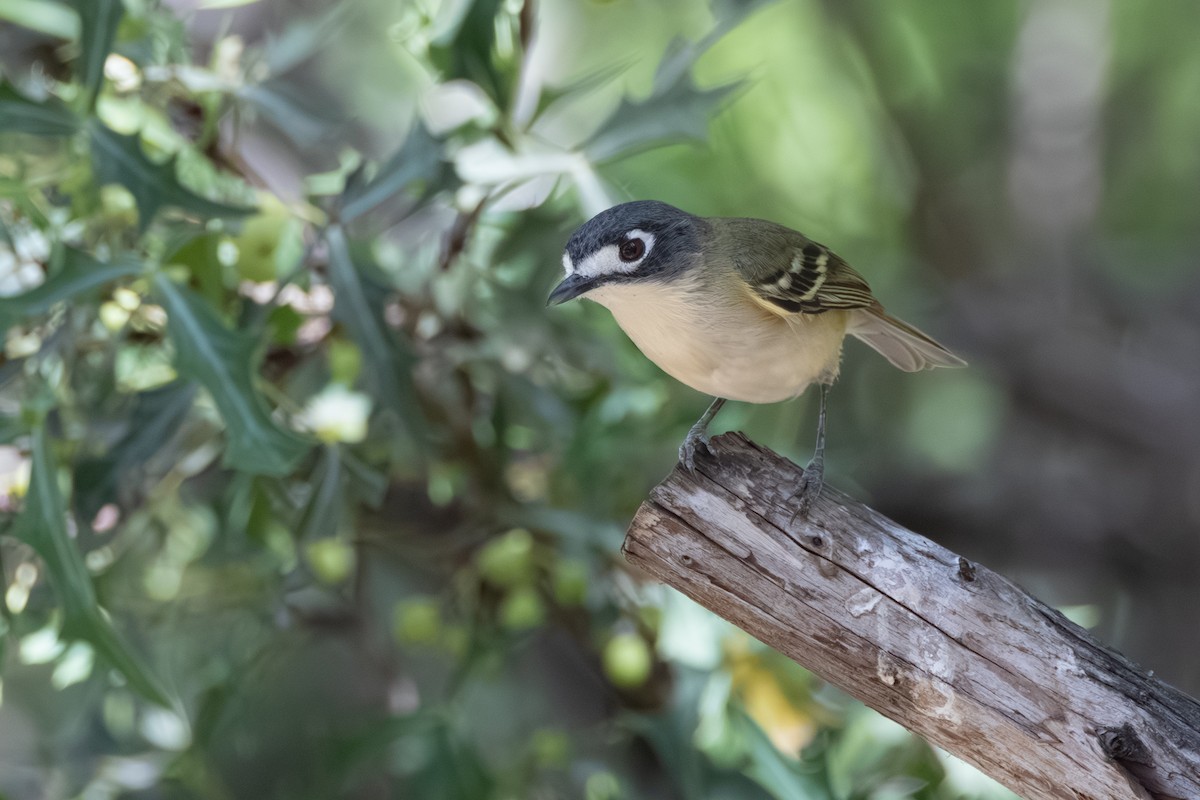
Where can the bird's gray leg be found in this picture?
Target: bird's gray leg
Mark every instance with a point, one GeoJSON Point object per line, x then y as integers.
{"type": "Point", "coordinates": [814, 473]}
{"type": "Point", "coordinates": [698, 436]}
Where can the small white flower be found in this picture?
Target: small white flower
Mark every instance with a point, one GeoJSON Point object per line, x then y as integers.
{"type": "Point", "coordinates": [337, 414]}
{"type": "Point", "coordinates": [21, 261]}
{"type": "Point", "coordinates": [41, 646]}
{"type": "Point", "coordinates": [165, 729]}
{"type": "Point", "coordinates": [30, 275]}
{"type": "Point", "coordinates": [31, 245]}
{"type": "Point", "coordinates": [72, 232]}
{"type": "Point", "coordinates": [74, 667]}
{"type": "Point", "coordinates": [19, 277]}
{"type": "Point", "coordinates": [15, 468]}
{"type": "Point", "coordinates": [122, 72]}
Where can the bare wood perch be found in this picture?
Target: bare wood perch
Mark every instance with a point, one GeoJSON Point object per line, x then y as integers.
{"type": "Point", "coordinates": [947, 648]}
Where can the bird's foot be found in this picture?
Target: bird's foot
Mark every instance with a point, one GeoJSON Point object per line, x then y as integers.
{"type": "Point", "coordinates": [810, 488]}
{"type": "Point", "coordinates": [696, 440]}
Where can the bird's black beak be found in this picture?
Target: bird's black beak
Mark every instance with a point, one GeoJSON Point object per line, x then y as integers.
{"type": "Point", "coordinates": [571, 287]}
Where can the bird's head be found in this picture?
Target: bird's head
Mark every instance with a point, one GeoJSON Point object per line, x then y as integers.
{"type": "Point", "coordinates": [640, 241]}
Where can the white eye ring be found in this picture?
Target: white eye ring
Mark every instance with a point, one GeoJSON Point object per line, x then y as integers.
{"type": "Point", "coordinates": [608, 260]}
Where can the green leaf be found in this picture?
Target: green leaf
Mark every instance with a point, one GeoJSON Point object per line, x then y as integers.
{"type": "Point", "coordinates": [467, 52]}
{"type": "Point", "coordinates": [119, 158]}
{"type": "Point", "coordinates": [77, 273]}
{"type": "Point", "coordinates": [98, 27]}
{"type": "Point", "coordinates": [671, 733]}
{"type": "Point", "coordinates": [19, 114]}
{"type": "Point", "coordinates": [155, 417]}
{"type": "Point", "coordinates": [358, 305]}
{"type": "Point", "coordinates": [295, 112]}
{"type": "Point", "coordinates": [337, 480]}
{"type": "Point", "coordinates": [418, 158]}
{"type": "Point", "coordinates": [199, 252]}
{"type": "Point", "coordinates": [455, 770]}
{"type": "Point", "coordinates": [43, 526]}
{"type": "Point", "coordinates": [323, 512]}
{"type": "Point", "coordinates": [728, 15]}
{"type": "Point", "coordinates": [451, 767]}
{"type": "Point", "coordinates": [548, 96]}
{"type": "Point", "coordinates": [370, 485]}
{"type": "Point", "coordinates": [675, 110]}
{"type": "Point", "coordinates": [780, 775]}
{"type": "Point", "coordinates": [223, 361]}
{"type": "Point", "coordinates": [51, 19]}
{"type": "Point", "coordinates": [304, 38]}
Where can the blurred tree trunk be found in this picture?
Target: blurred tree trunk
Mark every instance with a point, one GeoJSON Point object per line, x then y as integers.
{"type": "Point", "coordinates": [1101, 441]}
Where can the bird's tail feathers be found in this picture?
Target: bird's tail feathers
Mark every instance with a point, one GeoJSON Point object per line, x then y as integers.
{"type": "Point", "coordinates": [900, 343]}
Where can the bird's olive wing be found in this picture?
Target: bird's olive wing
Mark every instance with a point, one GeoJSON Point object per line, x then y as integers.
{"type": "Point", "coordinates": [809, 279]}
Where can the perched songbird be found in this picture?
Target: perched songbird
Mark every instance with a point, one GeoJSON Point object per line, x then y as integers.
{"type": "Point", "coordinates": [741, 309]}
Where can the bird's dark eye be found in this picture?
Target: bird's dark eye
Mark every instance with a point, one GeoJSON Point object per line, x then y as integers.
{"type": "Point", "coordinates": [632, 249]}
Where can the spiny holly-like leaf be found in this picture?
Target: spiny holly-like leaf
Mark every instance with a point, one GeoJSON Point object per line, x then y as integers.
{"type": "Point", "coordinates": [305, 36]}
{"type": "Point", "coordinates": [467, 52]}
{"type": "Point", "coordinates": [77, 273]}
{"type": "Point", "coordinates": [728, 15]}
{"type": "Point", "coordinates": [223, 361]}
{"type": "Point", "coordinates": [418, 158]}
{"type": "Point", "coordinates": [98, 27]}
{"type": "Point", "coordinates": [119, 158]}
{"type": "Point", "coordinates": [323, 512]}
{"type": "Point", "coordinates": [367, 483]}
{"type": "Point", "coordinates": [19, 114]}
{"type": "Point", "coordinates": [155, 417]}
{"type": "Point", "coordinates": [295, 112]}
{"type": "Point", "coordinates": [358, 305]}
{"type": "Point", "coordinates": [43, 526]}
{"type": "Point", "coordinates": [675, 110]}
{"type": "Point", "coordinates": [548, 96]}
{"type": "Point", "coordinates": [338, 479]}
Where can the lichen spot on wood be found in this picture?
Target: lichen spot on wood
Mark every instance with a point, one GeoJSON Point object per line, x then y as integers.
{"type": "Point", "coordinates": [863, 602]}
{"type": "Point", "coordinates": [936, 701]}
{"type": "Point", "coordinates": [887, 668]}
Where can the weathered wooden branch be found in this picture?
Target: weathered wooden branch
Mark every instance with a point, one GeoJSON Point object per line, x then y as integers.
{"type": "Point", "coordinates": [947, 648]}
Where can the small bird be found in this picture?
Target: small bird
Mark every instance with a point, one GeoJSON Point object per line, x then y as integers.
{"type": "Point", "coordinates": [737, 308]}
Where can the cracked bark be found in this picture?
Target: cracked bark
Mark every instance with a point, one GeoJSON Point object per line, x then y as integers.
{"type": "Point", "coordinates": [944, 646]}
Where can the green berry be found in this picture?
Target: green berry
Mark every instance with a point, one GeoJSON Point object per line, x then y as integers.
{"type": "Point", "coordinates": [522, 609]}
{"type": "Point", "coordinates": [507, 560]}
{"type": "Point", "coordinates": [550, 747]}
{"type": "Point", "coordinates": [417, 621]}
{"type": "Point", "coordinates": [570, 582]}
{"type": "Point", "coordinates": [331, 560]}
{"type": "Point", "coordinates": [627, 660]}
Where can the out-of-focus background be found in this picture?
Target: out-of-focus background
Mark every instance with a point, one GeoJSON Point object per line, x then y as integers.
{"type": "Point", "coordinates": [279, 395]}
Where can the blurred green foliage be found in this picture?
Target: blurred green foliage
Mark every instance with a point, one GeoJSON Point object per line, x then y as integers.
{"type": "Point", "coordinates": [306, 495]}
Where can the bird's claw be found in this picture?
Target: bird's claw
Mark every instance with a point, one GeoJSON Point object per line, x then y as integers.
{"type": "Point", "coordinates": [810, 488]}
{"type": "Point", "coordinates": [696, 440]}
